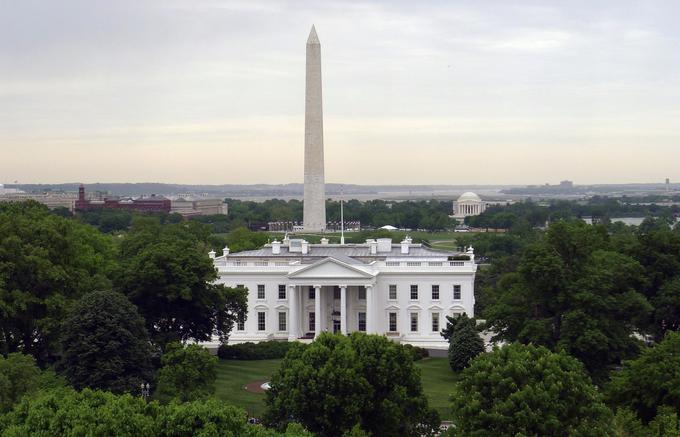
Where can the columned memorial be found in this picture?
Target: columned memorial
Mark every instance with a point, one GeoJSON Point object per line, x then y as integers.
{"type": "Point", "coordinates": [314, 208]}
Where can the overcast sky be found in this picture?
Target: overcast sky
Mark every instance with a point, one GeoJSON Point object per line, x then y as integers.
{"type": "Point", "coordinates": [415, 92]}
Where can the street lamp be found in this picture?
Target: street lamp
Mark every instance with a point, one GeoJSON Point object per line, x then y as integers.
{"type": "Point", "coordinates": [145, 391]}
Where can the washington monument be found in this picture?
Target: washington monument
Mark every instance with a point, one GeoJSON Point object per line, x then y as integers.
{"type": "Point", "coordinates": [314, 209]}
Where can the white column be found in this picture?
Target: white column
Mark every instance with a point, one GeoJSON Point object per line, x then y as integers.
{"type": "Point", "coordinates": [317, 310]}
{"type": "Point", "coordinates": [294, 314]}
{"type": "Point", "coordinates": [343, 309]}
{"type": "Point", "coordinates": [370, 316]}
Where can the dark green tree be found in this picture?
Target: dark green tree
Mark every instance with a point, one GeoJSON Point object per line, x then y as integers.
{"type": "Point", "coordinates": [339, 382]}
{"type": "Point", "coordinates": [464, 343]}
{"type": "Point", "coordinates": [46, 263]}
{"type": "Point", "coordinates": [166, 272]}
{"type": "Point", "coordinates": [188, 373]}
{"type": "Point", "coordinates": [105, 344]}
{"type": "Point", "coordinates": [571, 292]}
{"type": "Point", "coordinates": [19, 375]}
{"type": "Point", "coordinates": [650, 381]}
{"type": "Point", "coordinates": [527, 390]}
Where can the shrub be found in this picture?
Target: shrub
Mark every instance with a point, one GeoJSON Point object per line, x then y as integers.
{"type": "Point", "coordinates": [188, 373]}
{"type": "Point", "coordinates": [265, 350]}
{"type": "Point", "coordinates": [418, 352]}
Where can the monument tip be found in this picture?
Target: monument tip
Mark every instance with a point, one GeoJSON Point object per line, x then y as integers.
{"type": "Point", "coordinates": [313, 38]}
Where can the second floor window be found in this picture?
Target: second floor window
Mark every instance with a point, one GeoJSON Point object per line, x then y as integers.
{"type": "Point", "coordinates": [456, 292]}
{"type": "Point", "coordinates": [362, 293]}
{"type": "Point", "coordinates": [393, 292]}
{"type": "Point", "coordinates": [260, 291]}
{"type": "Point", "coordinates": [414, 292]}
{"type": "Point", "coordinates": [435, 292]}
{"type": "Point", "coordinates": [282, 291]}
{"type": "Point", "coordinates": [311, 293]}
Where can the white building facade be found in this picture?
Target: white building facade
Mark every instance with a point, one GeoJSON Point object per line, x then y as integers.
{"type": "Point", "coordinates": [297, 290]}
{"type": "Point", "coordinates": [468, 204]}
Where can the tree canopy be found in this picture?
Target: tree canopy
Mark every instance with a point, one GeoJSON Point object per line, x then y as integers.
{"type": "Point", "coordinates": [46, 263]}
{"type": "Point", "coordinates": [188, 373]}
{"type": "Point", "coordinates": [527, 390]}
{"type": "Point", "coordinates": [338, 382]}
{"type": "Point", "coordinates": [464, 341]}
{"type": "Point", "coordinates": [19, 375]}
{"type": "Point", "coordinates": [166, 272]}
{"type": "Point", "coordinates": [572, 292]}
{"type": "Point", "coordinates": [105, 344]}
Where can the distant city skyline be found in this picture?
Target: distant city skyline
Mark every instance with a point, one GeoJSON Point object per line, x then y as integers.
{"type": "Point", "coordinates": [432, 92]}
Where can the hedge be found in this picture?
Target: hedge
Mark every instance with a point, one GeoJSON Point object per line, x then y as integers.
{"type": "Point", "coordinates": [265, 350]}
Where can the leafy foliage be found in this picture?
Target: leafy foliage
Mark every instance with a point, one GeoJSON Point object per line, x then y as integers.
{"type": "Point", "coordinates": [68, 412]}
{"type": "Point", "coordinates": [464, 343]}
{"type": "Point", "coordinates": [527, 390]}
{"type": "Point", "coordinates": [572, 292]}
{"type": "Point", "coordinates": [105, 344]}
{"type": "Point", "coordinates": [650, 381]}
{"type": "Point", "coordinates": [46, 263]}
{"type": "Point", "coordinates": [19, 375]}
{"type": "Point", "coordinates": [166, 272]}
{"type": "Point", "coordinates": [264, 350]}
{"type": "Point", "coordinates": [188, 373]}
{"type": "Point", "coordinates": [339, 382]}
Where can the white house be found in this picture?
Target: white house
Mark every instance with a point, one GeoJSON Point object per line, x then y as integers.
{"type": "Point", "coordinates": [297, 290]}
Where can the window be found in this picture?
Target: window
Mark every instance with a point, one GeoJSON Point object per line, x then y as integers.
{"type": "Point", "coordinates": [414, 322]}
{"type": "Point", "coordinates": [261, 319]}
{"type": "Point", "coordinates": [336, 292]}
{"type": "Point", "coordinates": [282, 291]}
{"type": "Point", "coordinates": [456, 292]}
{"type": "Point", "coordinates": [240, 286]}
{"type": "Point", "coordinates": [393, 322]}
{"type": "Point", "coordinates": [260, 291]}
{"type": "Point", "coordinates": [362, 322]}
{"type": "Point", "coordinates": [311, 293]}
{"type": "Point", "coordinates": [414, 292]}
{"type": "Point", "coordinates": [312, 322]}
{"type": "Point", "coordinates": [282, 321]}
{"type": "Point", "coordinates": [435, 322]}
{"type": "Point", "coordinates": [393, 292]}
{"type": "Point", "coordinates": [241, 324]}
{"type": "Point", "coordinates": [362, 293]}
{"type": "Point", "coordinates": [435, 292]}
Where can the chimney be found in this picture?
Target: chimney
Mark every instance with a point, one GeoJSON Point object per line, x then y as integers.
{"type": "Point", "coordinates": [372, 246]}
{"type": "Point", "coordinates": [276, 247]}
{"type": "Point", "coordinates": [225, 251]}
{"type": "Point", "coordinates": [405, 245]}
{"type": "Point", "coordinates": [211, 254]}
{"type": "Point", "coordinates": [384, 244]}
{"type": "Point", "coordinates": [305, 247]}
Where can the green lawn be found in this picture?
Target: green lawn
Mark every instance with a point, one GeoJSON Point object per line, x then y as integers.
{"type": "Point", "coordinates": [233, 375]}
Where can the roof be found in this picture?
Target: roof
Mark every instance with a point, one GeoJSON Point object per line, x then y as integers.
{"type": "Point", "coordinates": [346, 253]}
{"type": "Point", "coordinates": [469, 197]}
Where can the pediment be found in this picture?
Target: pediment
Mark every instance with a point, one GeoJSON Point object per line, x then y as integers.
{"type": "Point", "coordinates": [330, 268]}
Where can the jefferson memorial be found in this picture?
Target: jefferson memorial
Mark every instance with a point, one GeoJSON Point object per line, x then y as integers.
{"type": "Point", "coordinates": [297, 290]}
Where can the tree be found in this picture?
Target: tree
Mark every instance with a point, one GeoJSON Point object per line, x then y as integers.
{"type": "Point", "coordinates": [105, 344]}
{"type": "Point", "coordinates": [68, 412]}
{"type": "Point", "coordinates": [166, 272]}
{"type": "Point", "coordinates": [339, 382]}
{"type": "Point", "coordinates": [188, 373]}
{"type": "Point", "coordinates": [19, 375]}
{"type": "Point", "coordinates": [571, 292]}
{"type": "Point", "coordinates": [527, 390]}
{"type": "Point", "coordinates": [666, 305]}
{"type": "Point", "coordinates": [464, 343]}
{"type": "Point", "coordinates": [650, 381]}
{"type": "Point", "coordinates": [46, 263]}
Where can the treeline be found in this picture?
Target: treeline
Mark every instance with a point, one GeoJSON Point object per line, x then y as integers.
{"type": "Point", "coordinates": [529, 213]}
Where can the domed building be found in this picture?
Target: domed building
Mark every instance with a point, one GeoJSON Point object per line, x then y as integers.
{"type": "Point", "coordinates": [468, 204]}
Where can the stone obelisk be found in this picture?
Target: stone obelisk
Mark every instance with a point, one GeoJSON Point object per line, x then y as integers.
{"type": "Point", "coordinates": [314, 209]}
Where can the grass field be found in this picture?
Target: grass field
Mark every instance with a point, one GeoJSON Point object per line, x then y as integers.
{"type": "Point", "coordinates": [233, 375]}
